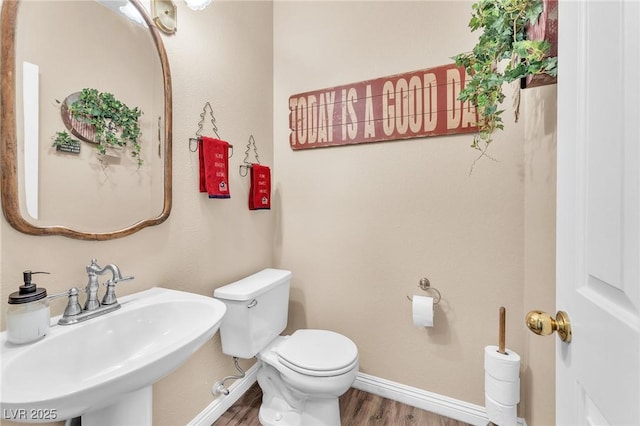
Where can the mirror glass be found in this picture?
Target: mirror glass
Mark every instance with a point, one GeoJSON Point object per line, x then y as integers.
{"type": "Point", "coordinates": [60, 49]}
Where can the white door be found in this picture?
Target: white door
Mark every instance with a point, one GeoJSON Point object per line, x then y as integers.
{"type": "Point", "coordinates": [598, 213]}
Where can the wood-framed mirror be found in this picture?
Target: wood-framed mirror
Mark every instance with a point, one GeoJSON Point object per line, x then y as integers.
{"type": "Point", "coordinates": [84, 196]}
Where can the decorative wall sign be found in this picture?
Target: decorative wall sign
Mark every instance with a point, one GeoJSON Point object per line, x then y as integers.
{"type": "Point", "coordinates": [69, 148]}
{"type": "Point", "coordinates": [411, 105]}
{"type": "Point", "coordinates": [83, 131]}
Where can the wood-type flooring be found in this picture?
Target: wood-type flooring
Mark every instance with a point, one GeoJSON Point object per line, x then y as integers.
{"type": "Point", "coordinates": [357, 408]}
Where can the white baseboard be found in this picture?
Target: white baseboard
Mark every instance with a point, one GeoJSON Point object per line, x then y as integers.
{"type": "Point", "coordinates": [429, 401]}
{"type": "Point", "coordinates": [222, 403]}
{"type": "Point", "coordinates": [439, 404]}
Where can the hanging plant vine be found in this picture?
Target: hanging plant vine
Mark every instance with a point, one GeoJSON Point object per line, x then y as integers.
{"type": "Point", "coordinates": [504, 24]}
{"type": "Point", "coordinates": [113, 122]}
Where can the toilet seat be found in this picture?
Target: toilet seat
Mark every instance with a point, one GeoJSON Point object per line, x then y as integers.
{"type": "Point", "coordinates": [319, 353]}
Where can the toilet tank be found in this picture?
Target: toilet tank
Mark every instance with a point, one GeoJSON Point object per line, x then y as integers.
{"type": "Point", "coordinates": [257, 311]}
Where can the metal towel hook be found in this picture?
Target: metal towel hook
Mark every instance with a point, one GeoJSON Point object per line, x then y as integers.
{"type": "Point", "coordinates": [247, 164]}
{"type": "Point", "coordinates": [425, 285]}
{"type": "Point", "coordinates": [193, 142]}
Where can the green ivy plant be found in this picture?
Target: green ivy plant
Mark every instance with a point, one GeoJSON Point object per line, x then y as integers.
{"type": "Point", "coordinates": [504, 25]}
{"type": "Point", "coordinates": [114, 123]}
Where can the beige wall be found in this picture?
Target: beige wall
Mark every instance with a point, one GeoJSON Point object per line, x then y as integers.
{"type": "Point", "coordinates": [222, 55]}
{"type": "Point", "coordinates": [358, 225]}
{"type": "Point", "coordinates": [538, 373]}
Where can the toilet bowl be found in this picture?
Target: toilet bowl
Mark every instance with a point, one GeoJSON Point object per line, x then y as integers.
{"type": "Point", "coordinates": [301, 375]}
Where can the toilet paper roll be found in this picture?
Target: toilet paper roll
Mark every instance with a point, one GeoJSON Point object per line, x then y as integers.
{"type": "Point", "coordinates": [501, 385]}
{"type": "Point", "coordinates": [422, 307]}
{"type": "Point", "coordinates": [507, 393]}
{"type": "Point", "coordinates": [505, 366]}
{"type": "Point", "coordinates": [500, 414]}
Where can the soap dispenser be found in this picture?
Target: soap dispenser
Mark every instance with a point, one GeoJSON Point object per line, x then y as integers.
{"type": "Point", "coordinates": [28, 315]}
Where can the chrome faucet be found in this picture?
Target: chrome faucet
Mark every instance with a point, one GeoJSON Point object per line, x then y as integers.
{"type": "Point", "coordinates": [92, 306]}
{"type": "Point", "coordinates": [93, 270]}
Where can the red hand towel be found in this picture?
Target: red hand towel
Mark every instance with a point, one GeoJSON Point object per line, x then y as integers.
{"type": "Point", "coordinates": [260, 193]}
{"type": "Point", "coordinates": [214, 167]}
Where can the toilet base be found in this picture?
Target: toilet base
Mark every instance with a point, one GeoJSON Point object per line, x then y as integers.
{"type": "Point", "coordinates": [315, 414]}
{"type": "Point", "coordinates": [283, 406]}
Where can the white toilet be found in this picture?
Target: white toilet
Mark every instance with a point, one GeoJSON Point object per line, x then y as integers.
{"type": "Point", "coordinates": [301, 375]}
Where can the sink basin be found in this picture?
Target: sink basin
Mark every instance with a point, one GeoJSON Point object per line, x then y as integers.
{"type": "Point", "coordinates": [88, 366]}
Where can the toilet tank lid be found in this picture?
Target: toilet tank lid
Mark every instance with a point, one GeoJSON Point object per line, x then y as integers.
{"type": "Point", "coordinates": [252, 286]}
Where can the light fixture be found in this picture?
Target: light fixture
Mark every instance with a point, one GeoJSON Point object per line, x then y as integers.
{"type": "Point", "coordinates": [197, 4]}
{"type": "Point", "coordinates": [164, 15]}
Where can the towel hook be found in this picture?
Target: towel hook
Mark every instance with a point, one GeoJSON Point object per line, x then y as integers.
{"type": "Point", "coordinates": [425, 285]}
{"type": "Point", "coordinates": [247, 165]}
{"type": "Point", "coordinates": [206, 106]}
{"type": "Point", "coordinates": [193, 142]}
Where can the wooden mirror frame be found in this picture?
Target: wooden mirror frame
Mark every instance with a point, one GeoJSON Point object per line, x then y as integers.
{"type": "Point", "coordinates": [8, 141]}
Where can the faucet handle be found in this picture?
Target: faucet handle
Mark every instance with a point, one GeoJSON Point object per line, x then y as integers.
{"type": "Point", "coordinates": [109, 297]}
{"type": "Point", "coordinates": [73, 306]}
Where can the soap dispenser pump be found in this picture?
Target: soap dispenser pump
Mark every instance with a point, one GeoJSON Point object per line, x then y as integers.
{"type": "Point", "coordinates": [28, 315]}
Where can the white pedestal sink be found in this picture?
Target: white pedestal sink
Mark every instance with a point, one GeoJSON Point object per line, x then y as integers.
{"type": "Point", "coordinates": [103, 369]}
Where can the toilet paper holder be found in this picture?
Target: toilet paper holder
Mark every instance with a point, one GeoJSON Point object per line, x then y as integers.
{"type": "Point", "coordinates": [425, 285]}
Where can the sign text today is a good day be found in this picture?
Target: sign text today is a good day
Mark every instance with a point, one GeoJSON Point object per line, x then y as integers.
{"type": "Point", "coordinates": [411, 105]}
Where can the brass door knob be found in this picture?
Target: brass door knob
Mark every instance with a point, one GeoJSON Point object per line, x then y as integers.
{"type": "Point", "coordinates": [543, 324]}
